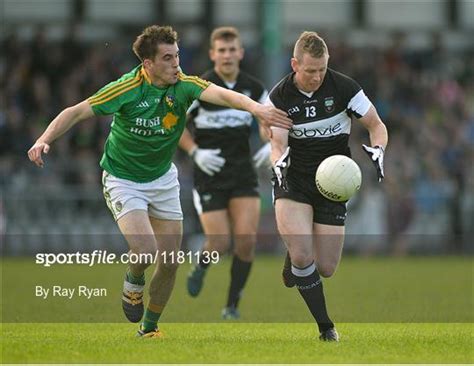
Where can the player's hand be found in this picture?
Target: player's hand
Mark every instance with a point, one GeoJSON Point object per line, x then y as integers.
{"type": "Point", "coordinates": [208, 160]}
{"type": "Point", "coordinates": [262, 156]}
{"type": "Point", "coordinates": [269, 116]}
{"type": "Point", "coordinates": [376, 154]}
{"type": "Point", "coordinates": [34, 153]}
{"type": "Point", "coordinates": [281, 169]}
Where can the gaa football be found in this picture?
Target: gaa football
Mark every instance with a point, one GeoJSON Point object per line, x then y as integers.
{"type": "Point", "coordinates": [338, 178]}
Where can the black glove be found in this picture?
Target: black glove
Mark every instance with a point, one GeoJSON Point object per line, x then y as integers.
{"type": "Point", "coordinates": [376, 154]}
{"type": "Point", "coordinates": [281, 168]}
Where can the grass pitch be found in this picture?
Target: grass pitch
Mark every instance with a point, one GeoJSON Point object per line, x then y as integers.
{"type": "Point", "coordinates": [413, 310]}
{"type": "Point", "coordinates": [237, 343]}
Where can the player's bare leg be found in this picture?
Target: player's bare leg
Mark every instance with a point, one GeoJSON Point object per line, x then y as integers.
{"type": "Point", "coordinates": [137, 230]}
{"type": "Point", "coordinates": [216, 227]}
{"type": "Point", "coordinates": [244, 214]}
{"type": "Point", "coordinates": [328, 243]}
{"type": "Point", "coordinates": [168, 234]}
{"type": "Point", "coordinates": [295, 225]}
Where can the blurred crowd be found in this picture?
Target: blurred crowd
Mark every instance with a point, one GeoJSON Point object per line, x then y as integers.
{"type": "Point", "coordinates": [425, 97]}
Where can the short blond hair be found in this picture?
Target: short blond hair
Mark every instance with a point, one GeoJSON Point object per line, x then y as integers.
{"type": "Point", "coordinates": [225, 33]}
{"type": "Point", "coordinates": [310, 43]}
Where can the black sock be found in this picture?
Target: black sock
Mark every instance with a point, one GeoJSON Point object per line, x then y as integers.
{"type": "Point", "coordinates": [239, 273]}
{"type": "Point", "coordinates": [204, 260]}
{"type": "Point", "coordinates": [310, 286]}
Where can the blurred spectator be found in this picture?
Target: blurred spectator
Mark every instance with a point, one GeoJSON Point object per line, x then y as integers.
{"type": "Point", "coordinates": [426, 99]}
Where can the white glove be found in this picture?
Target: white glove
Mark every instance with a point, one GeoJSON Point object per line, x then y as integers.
{"type": "Point", "coordinates": [281, 168]}
{"type": "Point", "coordinates": [208, 160]}
{"type": "Point", "coordinates": [376, 154]}
{"type": "Point", "coordinates": [262, 156]}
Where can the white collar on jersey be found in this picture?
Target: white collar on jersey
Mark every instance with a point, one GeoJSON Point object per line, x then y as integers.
{"type": "Point", "coordinates": [308, 94]}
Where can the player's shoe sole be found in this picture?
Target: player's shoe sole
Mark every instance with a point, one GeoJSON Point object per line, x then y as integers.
{"type": "Point", "coordinates": [287, 276]}
{"type": "Point", "coordinates": [195, 280]}
{"type": "Point", "coordinates": [152, 334]}
{"type": "Point", "coordinates": [230, 313]}
{"type": "Point", "coordinates": [132, 301]}
{"type": "Point", "coordinates": [329, 335]}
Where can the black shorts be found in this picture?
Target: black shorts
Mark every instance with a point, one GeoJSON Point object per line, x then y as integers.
{"type": "Point", "coordinates": [303, 189]}
{"type": "Point", "coordinates": [218, 199]}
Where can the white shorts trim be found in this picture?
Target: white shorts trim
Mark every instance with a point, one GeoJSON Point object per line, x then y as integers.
{"type": "Point", "coordinates": [160, 197]}
{"type": "Point", "coordinates": [197, 202]}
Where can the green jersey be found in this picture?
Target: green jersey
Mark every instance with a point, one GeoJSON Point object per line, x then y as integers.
{"type": "Point", "coordinates": [147, 123]}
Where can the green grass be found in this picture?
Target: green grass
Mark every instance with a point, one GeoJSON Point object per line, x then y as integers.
{"type": "Point", "coordinates": [411, 310]}
{"type": "Point", "coordinates": [237, 343]}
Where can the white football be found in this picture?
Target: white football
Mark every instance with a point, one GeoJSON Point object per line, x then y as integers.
{"type": "Point", "coordinates": [338, 178]}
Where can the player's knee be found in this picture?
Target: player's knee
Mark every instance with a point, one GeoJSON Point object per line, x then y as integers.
{"type": "Point", "coordinates": [244, 246]}
{"type": "Point", "coordinates": [245, 253]}
{"type": "Point", "coordinates": [327, 269]}
{"type": "Point", "coordinates": [169, 267]}
{"type": "Point", "coordinates": [301, 259]}
{"type": "Point", "coordinates": [144, 249]}
{"type": "Point", "coordinates": [219, 243]}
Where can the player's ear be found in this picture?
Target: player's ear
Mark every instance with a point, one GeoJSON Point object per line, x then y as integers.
{"type": "Point", "coordinates": [147, 63]}
{"type": "Point", "coordinates": [294, 64]}
{"type": "Point", "coordinates": [242, 52]}
{"type": "Point", "coordinates": [211, 54]}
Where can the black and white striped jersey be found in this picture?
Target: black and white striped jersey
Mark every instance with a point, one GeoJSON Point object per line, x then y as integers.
{"type": "Point", "coordinates": [217, 127]}
{"type": "Point", "coordinates": [321, 120]}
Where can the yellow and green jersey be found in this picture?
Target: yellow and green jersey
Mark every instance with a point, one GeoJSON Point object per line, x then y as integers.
{"type": "Point", "coordinates": [147, 123]}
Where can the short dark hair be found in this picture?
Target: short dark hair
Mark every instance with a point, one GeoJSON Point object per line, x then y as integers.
{"type": "Point", "coordinates": [225, 33]}
{"type": "Point", "coordinates": [146, 44]}
{"type": "Point", "coordinates": [311, 43]}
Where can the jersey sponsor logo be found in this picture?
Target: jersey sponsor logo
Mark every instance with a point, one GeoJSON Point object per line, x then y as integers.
{"type": "Point", "coordinates": [143, 104]}
{"type": "Point", "coordinates": [144, 122]}
{"type": "Point", "coordinates": [329, 104]}
{"type": "Point", "coordinates": [150, 127]}
{"type": "Point", "coordinates": [169, 121]}
{"type": "Point", "coordinates": [148, 132]}
{"type": "Point", "coordinates": [170, 99]}
{"type": "Point", "coordinates": [222, 118]}
{"type": "Point", "coordinates": [153, 126]}
{"type": "Point", "coordinates": [316, 132]}
{"type": "Point", "coordinates": [328, 127]}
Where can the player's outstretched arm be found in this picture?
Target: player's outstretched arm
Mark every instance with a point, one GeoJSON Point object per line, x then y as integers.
{"type": "Point", "coordinates": [262, 157]}
{"type": "Point", "coordinates": [378, 139]}
{"type": "Point", "coordinates": [280, 155]}
{"type": "Point", "coordinates": [61, 124]}
{"type": "Point", "coordinates": [377, 130]}
{"type": "Point", "coordinates": [268, 115]}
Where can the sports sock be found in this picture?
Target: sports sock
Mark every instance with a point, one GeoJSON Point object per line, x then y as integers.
{"type": "Point", "coordinates": [152, 315]}
{"type": "Point", "coordinates": [140, 280]}
{"type": "Point", "coordinates": [239, 273]}
{"type": "Point", "coordinates": [310, 286]}
{"type": "Point", "coordinates": [203, 261]}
